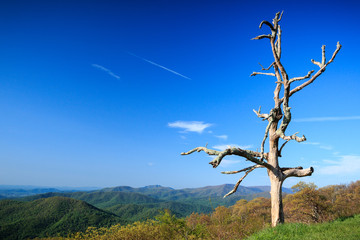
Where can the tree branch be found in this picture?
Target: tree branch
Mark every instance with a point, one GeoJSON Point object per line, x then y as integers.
{"type": "Point", "coordinates": [265, 137]}
{"type": "Point", "coordinates": [266, 69]}
{"type": "Point", "coordinates": [282, 146]}
{"type": "Point", "coordinates": [297, 172]}
{"type": "Point", "coordinates": [249, 155]}
{"type": "Point", "coordinates": [267, 23]}
{"type": "Point", "coordinates": [264, 116]}
{"type": "Point", "coordinates": [262, 73]}
{"type": "Point", "coordinates": [293, 137]}
{"type": "Point", "coordinates": [248, 170]}
{"type": "Point", "coordinates": [318, 73]}
{"type": "Point", "coordinates": [262, 36]}
{"type": "Point", "coordinates": [278, 43]}
{"type": "Point", "coordinates": [301, 78]}
{"type": "Point", "coordinates": [242, 170]}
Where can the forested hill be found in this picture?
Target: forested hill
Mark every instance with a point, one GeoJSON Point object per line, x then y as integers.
{"type": "Point", "coordinates": [49, 217]}
{"type": "Point", "coordinates": [62, 212]}
{"type": "Point", "coordinates": [168, 193]}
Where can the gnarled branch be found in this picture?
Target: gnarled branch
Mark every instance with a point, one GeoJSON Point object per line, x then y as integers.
{"type": "Point", "coordinates": [297, 172]}
{"type": "Point", "coordinates": [248, 154]}
{"type": "Point", "coordinates": [258, 113]}
{"type": "Point", "coordinates": [262, 36]}
{"type": "Point", "coordinates": [248, 170]}
{"type": "Point", "coordinates": [281, 148]}
{"type": "Point", "coordinates": [293, 137]}
{"type": "Point", "coordinates": [267, 23]}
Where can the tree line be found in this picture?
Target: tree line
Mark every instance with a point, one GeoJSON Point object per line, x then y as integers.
{"type": "Point", "coordinates": [308, 204]}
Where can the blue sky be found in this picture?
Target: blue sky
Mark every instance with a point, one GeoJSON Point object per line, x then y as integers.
{"type": "Point", "coordinates": [108, 93]}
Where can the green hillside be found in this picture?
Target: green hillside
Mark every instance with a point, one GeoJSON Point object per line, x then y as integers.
{"type": "Point", "coordinates": [141, 212]}
{"type": "Point", "coordinates": [49, 216]}
{"type": "Point", "coordinates": [346, 228]}
{"type": "Point", "coordinates": [131, 206]}
{"type": "Point", "coordinates": [62, 212]}
{"type": "Point", "coordinates": [167, 193]}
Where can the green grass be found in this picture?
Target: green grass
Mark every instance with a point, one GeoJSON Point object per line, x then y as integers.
{"type": "Point", "coordinates": [347, 228]}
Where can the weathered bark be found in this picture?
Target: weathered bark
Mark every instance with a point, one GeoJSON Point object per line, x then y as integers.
{"type": "Point", "coordinates": [273, 132]}
{"type": "Point", "coordinates": [277, 212]}
{"type": "Point", "coordinates": [276, 178]}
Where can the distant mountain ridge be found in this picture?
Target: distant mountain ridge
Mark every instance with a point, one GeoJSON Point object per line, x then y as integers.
{"type": "Point", "coordinates": [157, 191]}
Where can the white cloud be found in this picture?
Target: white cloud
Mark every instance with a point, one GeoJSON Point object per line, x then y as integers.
{"type": "Point", "coordinates": [190, 126]}
{"type": "Point", "coordinates": [228, 162]}
{"type": "Point", "coordinates": [326, 119]}
{"type": "Point", "coordinates": [223, 137]}
{"type": "Point", "coordinates": [322, 146]}
{"type": "Point", "coordinates": [310, 143]}
{"type": "Point", "coordinates": [225, 146]}
{"type": "Point", "coordinates": [150, 164]}
{"type": "Point", "coordinates": [347, 164]}
{"type": "Point", "coordinates": [326, 147]}
{"type": "Point", "coordinates": [106, 70]}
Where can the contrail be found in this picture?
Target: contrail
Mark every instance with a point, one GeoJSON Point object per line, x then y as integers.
{"type": "Point", "coordinates": [160, 66]}
{"type": "Point", "coordinates": [106, 70]}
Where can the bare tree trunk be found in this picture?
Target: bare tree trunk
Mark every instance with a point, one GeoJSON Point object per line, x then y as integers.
{"type": "Point", "coordinates": [276, 178]}
{"type": "Point", "coordinates": [277, 213]}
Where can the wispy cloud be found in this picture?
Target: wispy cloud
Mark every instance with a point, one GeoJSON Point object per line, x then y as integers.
{"type": "Point", "coordinates": [322, 146]}
{"type": "Point", "coordinates": [225, 146]}
{"type": "Point", "coordinates": [105, 70]}
{"type": "Point", "coordinates": [158, 65]}
{"type": "Point", "coordinates": [326, 147]}
{"type": "Point", "coordinates": [347, 164]}
{"type": "Point", "coordinates": [326, 119]}
{"type": "Point", "coordinates": [190, 126]}
{"type": "Point", "coordinates": [310, 143]}
{"type": "Point", "coordinates": [229, 162]}
{"type": "Point", "coordinates": [223, 137]}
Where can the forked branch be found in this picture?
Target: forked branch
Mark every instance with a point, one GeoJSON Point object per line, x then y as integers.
{"type": "Point", "coordinates": [258, 113]}
{"type": "Point", "coordinates": [247, 154]}
{"type": "Point", "coordinates": [322, 66]}
{"type": "Point", "coordinates": [248, 170]}
{"type": "Point", "coordinates": [266, 69]}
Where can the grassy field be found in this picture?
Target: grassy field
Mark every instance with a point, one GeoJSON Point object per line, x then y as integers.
{"type": "Point", "coordinates": [347, 228]}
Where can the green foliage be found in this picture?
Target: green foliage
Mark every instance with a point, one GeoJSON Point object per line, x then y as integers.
{"type": "Point", "coordinates": [48, 217]}
{"type": "Point", "coordinates": [347, 228]}
{"type": "Point", "coordinates": [303, 185]}
{"type": "Point", "coordinates": [308, 205]}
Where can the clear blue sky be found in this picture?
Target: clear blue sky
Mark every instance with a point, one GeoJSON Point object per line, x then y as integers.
{"type": "Point", "coordinates": [91, 92]}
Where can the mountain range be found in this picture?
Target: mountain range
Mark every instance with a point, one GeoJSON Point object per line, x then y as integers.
{"type": "Point", "coordinates": [56, 211]}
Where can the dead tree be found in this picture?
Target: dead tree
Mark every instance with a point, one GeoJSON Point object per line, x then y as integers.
{"type": "Point", "coordinates": [274, 132]}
